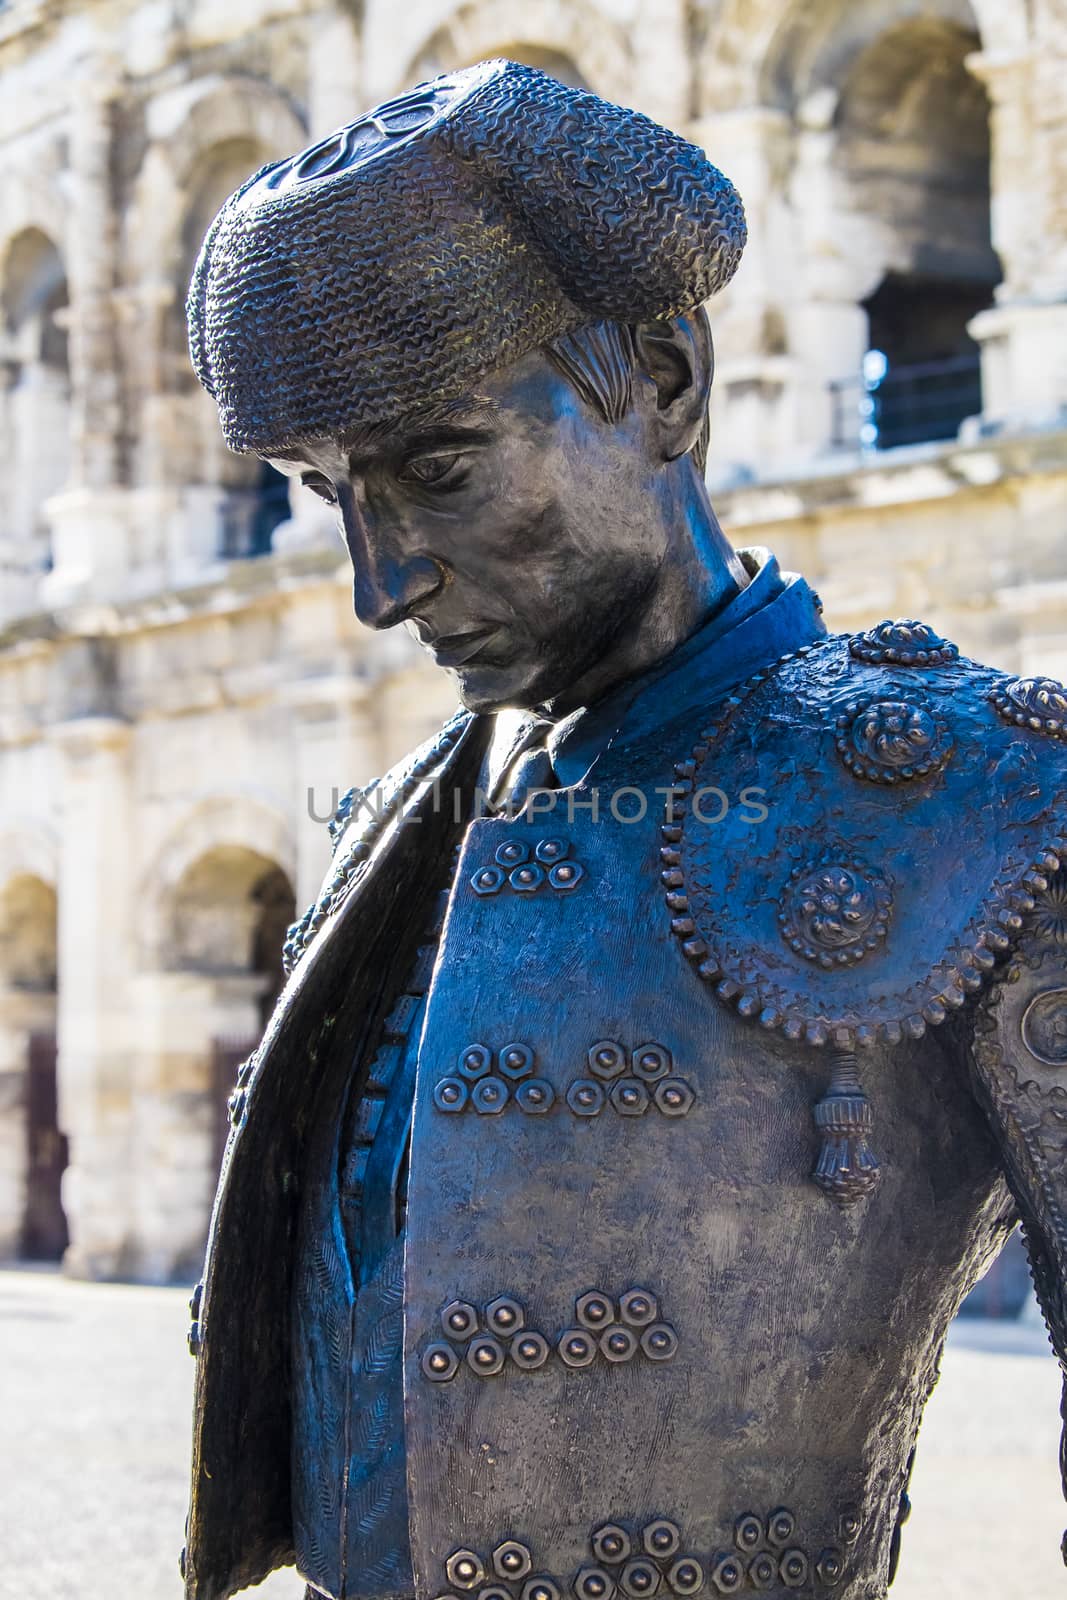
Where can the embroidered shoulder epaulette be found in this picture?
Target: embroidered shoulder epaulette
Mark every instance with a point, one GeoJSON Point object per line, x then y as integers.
{"type": "Point", "coordinates": [914, 804]}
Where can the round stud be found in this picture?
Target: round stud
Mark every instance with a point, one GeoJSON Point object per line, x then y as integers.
{"type": "Point", "coordinates": [549, 851]}
{"type": "Point", "coordinates": [611, 1544]}
{"type": "Point", "coordinates": [728, 1574]}
{"type": "Point", "coordinates": [512, 1560]}
{"type": "Point", "coordinates": [535, 1096]}
{"type": "Point", "coordinates": [830, 1567]}
{"type": "Point", "coordinates": [464, 1569]}
{"type": "Point", "coordinates": [504, 1316]}
{"type": "Point", "coordinates": [512, 853]}
{"type": "Point", "coordinates": [748, 1532]}
{"type": "Point", "coordinates": [607, 1059]}
{"type": "Point", "coordinates": [450, 1094]}
{"type": "Point", "coordinates": [849, 1526]}
{"type": "Point", "coordinates": [488, 880]}
{"type": "Point", "coordinates": [686, 1575]}
{"type": "Point", "coordinates": [541, 1588]}
{"type": "Point", "coordinates": [489, 1096]}
{"type": "Point", "coordinates": [516, 1060]}
{"type": "Point", "coordinates": [651, 1062]}
{"type": "Point", "coordinates": [618, 1344]}
{"type": "Point", "coordinates": [638, 1308]}
{"type": "Point", "coordinates": [529, 1350]}
{"type": "Point", "coordinates": [494, 1591]}
{"type": "Point", "coordinates": [585, 1097]}
{"type": "Point", "coordinates": [763, 1571]}
{"type": "Point", "coordinates": [594, 1310]}
{"type": "Point", "coordinates": [594, 1583]}
{"type": "Point", "coordinates": [527, 878]}
{"type": "Point", "coordinates": [440, 1363]}
{"type": "Point", "coordinates": [673, 1097]}
{"type": "Point", "coordinates": [629, 1097]}
{"type": "Point", "coordinates": [475, 1061]}
{"type": "Point", "coordinates": [793, 1569]}
{"type": "Point", "coordinates": [660, 1539]}
{"type": "Point", "coordinates": [659, 1342]}
{"type": "Point", "coordinates": [781, 1525]}
{"type": "Point", "coordinates": [459, 1319]}
{"type": "Point", "coordinates": [577, 1348]}
{"type": "Point", "coordinates": [485, 1356]}
{"type": "Point", "coordinates": [639, 1578]}
{"type": "Point", "coordinates": [566, 874]}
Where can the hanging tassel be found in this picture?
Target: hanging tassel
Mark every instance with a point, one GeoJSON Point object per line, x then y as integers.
{"type": "Point", "coordinates": [846, 1169]}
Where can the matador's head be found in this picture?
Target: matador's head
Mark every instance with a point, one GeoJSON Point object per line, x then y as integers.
{"type": "Point", "coordinates": [473, 321]}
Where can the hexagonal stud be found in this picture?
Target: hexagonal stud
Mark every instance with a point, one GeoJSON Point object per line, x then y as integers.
{"type": "Point", "coordinates": [440, 1363]}
{"type": "Point", "coordinates": [611, 1544]}
{"type": "Point", "coordinates": [512, 853]}
{"type": "Point", "coordinates": [489, 1096]}
{"type": "Point", "coordinates": [512, 1560]}
{"type": "Point", "coordinates": [748, 1533]}
{"type": "Point", "coordinates": [566, 875]}
{"type": "Point", "coordinates": [459, 1320]}
{"type": "Point", "coordinates": [763, 1571]}
{"type": "Point", "coordinates": [504, 1316]}
{"type": "Point", "coordinates": [618, 1344]}
{"type": "Point", "coordinates": [464, 1569]}
{"type": "Point", "coordinates": [488, 880]}
{"type": "Point", "coordinates": [475, 1060]}
{"type": "Point", "coordinates": [485, 1355]}
{"type": "Point", "coordinates": [639, 1579]}
{"type": "Point", "coordinates": [686, 1575]}
{"type": "Point", "coordinates": [541, 1588]}
{"type": "Point", "coordinates": [516, 1061]}
{"type": "Point", "coordinates": [594, 1309]}
{"type": "Point", "coordinates": [528, 878]}
{"type": "Point", "coordinates": [781, 1525]}
{"type": "Point", "coordinates": [659, 1342]}
{"type": "Point", "coordinates": [549, 851]}
{"type": "Point", "coordinates": [830, 1567]}
{"type": "Point", "coordinates": [660, 1539]}
{"type": "Point", "coordinates": [607, 1059]}
{"type": "Point", "coordinates": [594, 1583]}
{"type": "Point", "coordinates": [673, 1097]}
{"type": "Point", "coordinates": [494, 1591]}
{"type": "Point", "coordinates": [585, 1097]}
{"type": "Point", "coordinates": [728, 1574]}
{"type": "Point", "coordinates": [450, 1094]}
{"type": "Point", "coordinates": [849, 1526]}
{"type": "Point", "coordinates": [630, 1097]}
{"type": "Point", "coordinates": [535, 1096]}
{"type": "Point", "coordinates": [576, 1347]}
{"type": "Point", "coordinates": [529, 1350]}
{"type": "Point", "coordinates": [793, 1569]}
{"type": "Point", "coordinates": [638, 1308]}
{"type": "Point", "coordinates": [651, 1062]}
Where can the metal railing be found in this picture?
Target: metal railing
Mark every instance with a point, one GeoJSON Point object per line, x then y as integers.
{"type": "Point", "coordinates": [887, 406]}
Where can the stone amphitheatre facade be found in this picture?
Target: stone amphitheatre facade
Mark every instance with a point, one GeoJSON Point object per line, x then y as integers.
{"type": "Point", "coordinates": [182, 685]}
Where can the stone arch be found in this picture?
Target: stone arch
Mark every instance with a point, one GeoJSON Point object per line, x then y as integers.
{"type": "Point", "coordinates": [241, 841]}
{"type": "Point", "coordinates": [748, 44]}
{"type": "Point", "coordinates": [29, 850]}
{"type": "Point", "coordinates": [28, 934]}
{"type": "Point", "coordinates": [567, 33]}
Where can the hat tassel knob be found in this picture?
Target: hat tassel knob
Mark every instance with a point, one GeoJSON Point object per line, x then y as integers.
{"type": "Point", "coordinates": [847, 1169]}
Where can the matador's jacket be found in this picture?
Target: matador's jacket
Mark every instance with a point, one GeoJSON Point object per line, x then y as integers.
{"type": "Point", "coordinates": [730, 1074]}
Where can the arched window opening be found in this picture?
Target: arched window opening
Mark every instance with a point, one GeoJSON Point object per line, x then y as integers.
{"type": "Point", "coordinates": [34, 296]}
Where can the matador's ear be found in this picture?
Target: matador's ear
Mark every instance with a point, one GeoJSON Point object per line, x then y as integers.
{"type": "Point", "coordinates": [679, 357]}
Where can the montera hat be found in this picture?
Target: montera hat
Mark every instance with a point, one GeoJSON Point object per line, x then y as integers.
{"type": "Point", "coordinates": [439, 237]}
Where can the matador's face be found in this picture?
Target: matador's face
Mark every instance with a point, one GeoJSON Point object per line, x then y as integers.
{"type": "Point", "coordinates": [509, 531]}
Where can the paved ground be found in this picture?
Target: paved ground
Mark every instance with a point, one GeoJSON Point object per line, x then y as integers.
{"type": "Point", "coordinates": [94, 1402]}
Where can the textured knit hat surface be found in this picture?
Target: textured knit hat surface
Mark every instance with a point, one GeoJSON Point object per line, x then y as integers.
{"type": "Point", "coordinates": [441, 236]}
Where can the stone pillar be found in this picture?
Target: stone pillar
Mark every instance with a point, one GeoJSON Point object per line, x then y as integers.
{"type": "Point", "coordinates": [335, 72]}
{"type": "Point", "coordinates": [176, 1111]}
{"type": "Point", "coordinates": [95, 1029]}
{"type": "Point", "coordinates": [91, 535]}
{"type": "Point", "coordinates": [336, 747]}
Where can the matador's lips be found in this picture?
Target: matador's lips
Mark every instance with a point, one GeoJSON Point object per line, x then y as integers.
{"type": "Point", "coordinates": [456, 649]}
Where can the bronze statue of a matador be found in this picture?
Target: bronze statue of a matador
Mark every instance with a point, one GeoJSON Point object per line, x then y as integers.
{"type": "Point", "coordinates": [659, 1067]}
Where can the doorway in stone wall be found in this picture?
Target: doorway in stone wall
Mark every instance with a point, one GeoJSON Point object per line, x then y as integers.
{"type": "Point", "coordinates": [44, 1226]}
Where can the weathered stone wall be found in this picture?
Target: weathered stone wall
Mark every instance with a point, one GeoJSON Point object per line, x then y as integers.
{"type": "Point", "coordinates": [166, 711]}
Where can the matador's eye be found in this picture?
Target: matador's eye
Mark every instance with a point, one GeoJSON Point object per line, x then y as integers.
{"type": "Point", "coordinates": [320, 486]}
{"type": "Point", "coordinates": [443, 471]}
